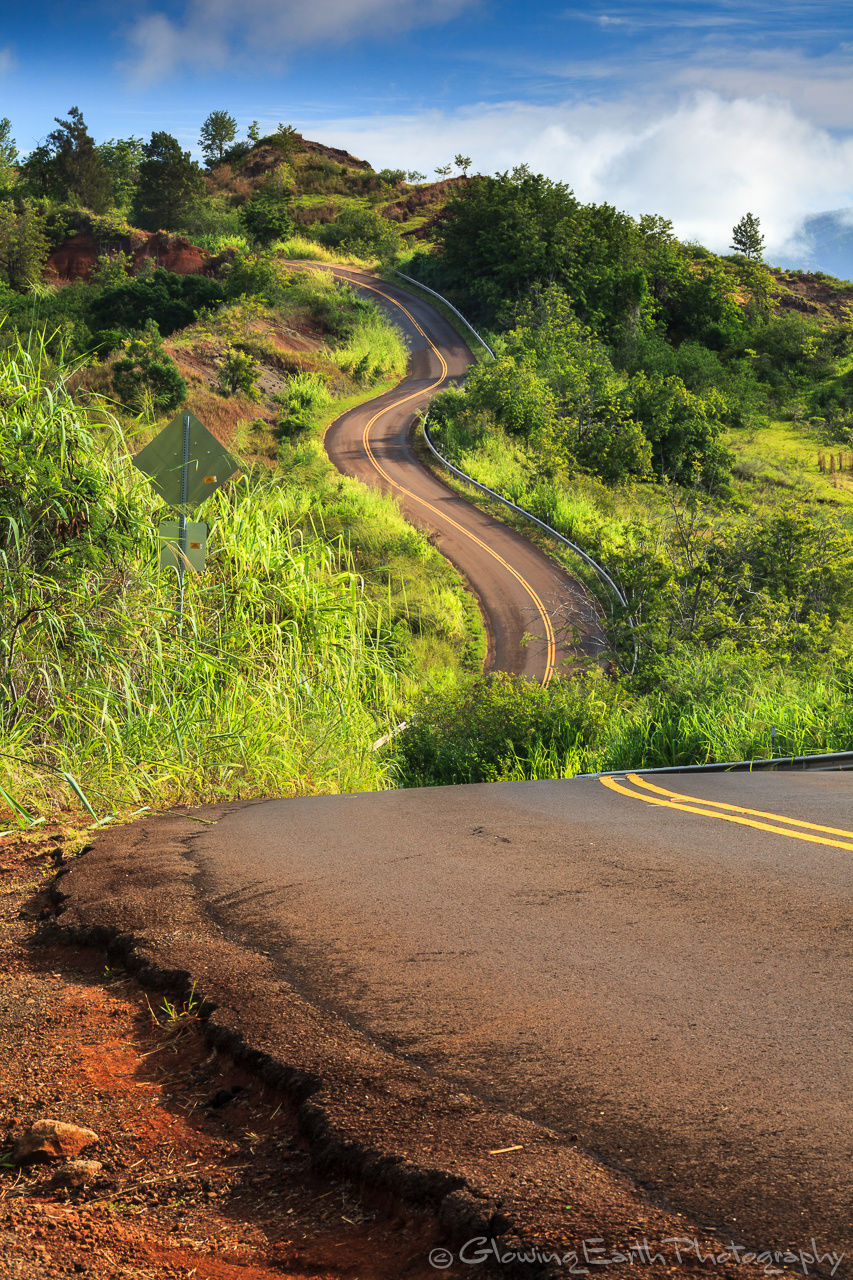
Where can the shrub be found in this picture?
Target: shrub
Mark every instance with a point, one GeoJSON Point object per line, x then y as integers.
{"type": "Point", "coordinates": [362, 232]}
{"type": "Point", "coordinates": [145, 374]}
{"type": "Point", "coordinates": [170, 300]}
{"type": "Point", "coordinates": [237, 373]}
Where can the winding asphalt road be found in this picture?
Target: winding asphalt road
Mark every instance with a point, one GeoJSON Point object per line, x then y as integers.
{"type": "Point", "coordinates": [657, 970]}
{"type": "Point", "coordinates": [537, 617]}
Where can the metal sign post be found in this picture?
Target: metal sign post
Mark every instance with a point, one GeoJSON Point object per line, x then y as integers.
{"type": "Point", "coordinates": [186, 464]}
{"type": "Point", "coordinates": [182, 519]}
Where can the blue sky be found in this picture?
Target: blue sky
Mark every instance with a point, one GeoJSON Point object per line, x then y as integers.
{"type": "Point", "coordinates": [696, 110]}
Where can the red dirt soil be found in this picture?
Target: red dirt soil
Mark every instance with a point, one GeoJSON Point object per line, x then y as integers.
{"type": "Point", "coordinates": [203, 1172]}
{"type": "Point", "coordinates": [76, 258]}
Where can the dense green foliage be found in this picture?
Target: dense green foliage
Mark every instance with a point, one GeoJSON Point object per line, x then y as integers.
{"type": "Point", "coordinates": [703, 707]}
{"type": "Point", "coordinates": [170, 184]}
{"type": "Point", "coordinates": [144, 376]}
{"type": "Point", "coordinates": [630, 368]}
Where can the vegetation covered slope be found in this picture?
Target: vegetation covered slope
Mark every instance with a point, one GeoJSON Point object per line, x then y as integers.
{"type": "Point", "coordinates": [685, 416]}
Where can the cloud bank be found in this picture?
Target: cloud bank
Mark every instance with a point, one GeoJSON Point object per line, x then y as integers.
{"type": "Point", "coordinates": [219, 33]}
{"type": "Point", "coordinates": [703, 161]}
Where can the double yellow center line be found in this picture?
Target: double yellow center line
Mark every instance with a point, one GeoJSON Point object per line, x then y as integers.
{"type": "Point", "coordinates": [550, 639]}
{"type": "Point", "coordinates": [793, 828]}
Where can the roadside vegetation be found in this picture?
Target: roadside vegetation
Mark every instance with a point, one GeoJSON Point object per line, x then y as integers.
{"type": "Point", "coordinates": [687, 418]}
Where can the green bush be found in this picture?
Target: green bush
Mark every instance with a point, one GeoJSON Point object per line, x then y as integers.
{"type": "Point", "coordinates": [362, 232]}
{"type": "Point", "coordinates": [237, 373]}
{"type": "Point", "coordinates": [170, 300]}
{"type": "Point", "coordinates": [146, 376]}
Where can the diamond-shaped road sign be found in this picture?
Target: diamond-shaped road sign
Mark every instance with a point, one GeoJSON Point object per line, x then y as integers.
{"type": "Point", "coordinates": [210, 464]}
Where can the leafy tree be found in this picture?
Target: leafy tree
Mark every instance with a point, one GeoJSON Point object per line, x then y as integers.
{"type": "Point", "coordinates": [24, 244]}
{"type": "Point", "coordinates": [146, 375]}
{"type": "Point", "coordinates": [170, 184]}
{"type": "Point", "coordinates": [684, 429]}
{"type": "Point", "coordinates": [443, 171]}
{"type": "Point", "coordinates": [363, 232]}
{"type": "Point", "coordinates": [284, 139]}
{"type": "Point", "coordinates": [391, 177]}
{"type": "Point", "coordinates": [110, 270]}
{"type": "Point", "coordinates": [121, 158]}
{"type": "Point", "coordinates": [266, 220]}
{"type": "Point", "coordinates": [747, 238]}
{"type": "Point", "coordinates": [462, 162]}
{"type": "Point", "coordinates": [253, 133]}
{"type": "Point", "coordinates": [265, 216]}
{"type": "Point", "coordinates": [502, 235]}
{"type": "Point", "coordinates": [415, 175]}
{"type": "Point", "coordinates": [218, 130]}
{"type": "Point", "coordinates": [8, 152]}
{"type": "Point", "coordinates": [238, 371]}
{"type": "Point", "coordinates": [74, 169]}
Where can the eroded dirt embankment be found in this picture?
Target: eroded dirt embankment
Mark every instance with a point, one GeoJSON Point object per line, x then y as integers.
{"type": "Point", "coordinates": [202, 1169]}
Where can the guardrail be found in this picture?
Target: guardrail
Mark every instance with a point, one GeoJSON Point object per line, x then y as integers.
{"type": "Point", "coordinates": [829, 760]}
{"type": "Point", "coordinates": [447, 303]}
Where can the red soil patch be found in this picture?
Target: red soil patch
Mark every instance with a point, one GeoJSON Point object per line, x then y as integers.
{"type": "Point", "coordinates": [76, 258]}
{"type": "Point", "coordinates": [203, 1174]}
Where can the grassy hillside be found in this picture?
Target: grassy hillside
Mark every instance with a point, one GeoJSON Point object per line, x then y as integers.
{"type": "Point", "coordinates": [321, 612]}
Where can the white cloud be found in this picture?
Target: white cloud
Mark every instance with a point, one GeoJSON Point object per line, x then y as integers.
{"type": "Point", "coordinates": [703, 162]}
{"type": "Point", "coordinates": [213, 33]}
{"type": "Point", "coordinates": [8, 61]}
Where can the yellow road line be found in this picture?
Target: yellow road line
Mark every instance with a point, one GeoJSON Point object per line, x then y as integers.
{"type": "Point", "coordinates": [724, 817]}
{"type": "Point", "coordinates": [736, 808]}
{"type": "Point", "coordinates": [550, 639]}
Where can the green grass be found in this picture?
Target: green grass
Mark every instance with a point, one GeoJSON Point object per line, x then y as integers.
{"type": "Point", "coordinates": [321, 614]}
{"type": "Point", "coordinates": [786, 454]}
{"type": "Point", "coordinates": [707, 707]}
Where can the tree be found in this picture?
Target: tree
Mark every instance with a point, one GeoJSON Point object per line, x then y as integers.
{"type": "Point", "coordinates": [67, 165]}
{"type": "Point", "coordinates": [462, 162]}
{"type": "Point", "coordinates": [170, 184]}
{"type": "Point", "coordinates": [74, 168]}
{"type": "Point", "coordinates": [415, 175]}
{"type": "Point", "coordinates": [23, 243]}
{"type": "Point", "coordinates": [253, 133]}
{"type": "Point", "coordinates": [146, 375]}
{"type": "Point", "coordinates": [8, 152]}
{"type": "Point", "coordinates": [265, 217]}
{"type": "Point", "coordinates": [122, 158]}
{"type": "Point", "coordinates": [443, 171]}
{"type": "Point", "coordinates": [747, 238]}
{"type": "Point", "coordinates": [217, 131]}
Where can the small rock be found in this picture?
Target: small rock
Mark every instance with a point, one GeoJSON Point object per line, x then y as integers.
{"type": "Point", "coordinates": [52, 1140]}
{"type": "Point", "coordinates": [77, 1173]}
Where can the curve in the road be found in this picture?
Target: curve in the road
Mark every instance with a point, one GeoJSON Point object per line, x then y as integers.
{"type": "Point", "coordinates": [538, 618]}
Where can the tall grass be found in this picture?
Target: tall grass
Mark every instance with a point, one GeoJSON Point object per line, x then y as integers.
{"type": "Point", "coordinates": [281, 680]}
{"type": "Point", "coordinates": [376, 349]}
{"type": "Point", "coordinates": [711, 707]}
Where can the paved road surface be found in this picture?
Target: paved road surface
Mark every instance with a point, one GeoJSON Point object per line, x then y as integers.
{"type": "Point", "coordinates": [522, 592]}
{"type": "Point", "coordinates": [668, 984]}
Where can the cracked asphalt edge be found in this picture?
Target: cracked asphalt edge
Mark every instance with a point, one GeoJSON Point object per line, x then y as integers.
{"type": "Point", "coordinates": [364, 1113]}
